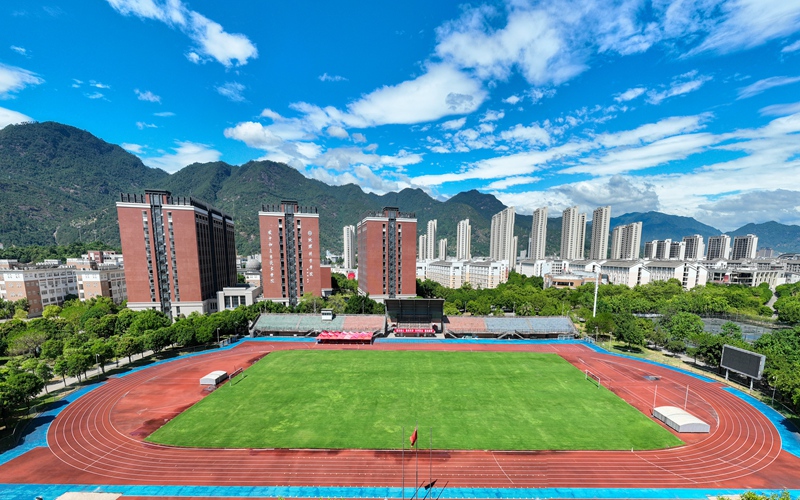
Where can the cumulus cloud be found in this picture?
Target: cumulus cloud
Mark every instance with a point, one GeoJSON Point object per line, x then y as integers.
{"type": "Point", "coordinates": [512, 99]}
{"type": "Point", "coordinates": [532, 136]}
{"type": "Point", "coordinates": [359, 137]}
{"type": "Point", "coordinates": [210, 39]}
{"type": "Point", "coordinates": [144, 125]}
{"type": "Point", "coordinates": [337, 131]}
{"type": "Point", "coordinates": [493, 116]}
{"type": "Point", "coordinates": [184, 154]}
{"type": "Point", "coordinates": [94, 95]}
{"type": "Point", "coordinates": [147, 96]}
{"type": "Point", "coordinates": [19, 50]}
{"type": "Point", "coordinates": [99, 85]}
{"type": "Point", "coordinates": [766, 84]}
{"type": "Point", "coordinates": [232, 90]}
{"type": "Point", "coordinates": [453, 124]}
{"type": "Point", "coordinates": [753, 206]}
{"type": "Point", "coordinates": [13, 79]}
{"type": "Point", "coordinates": [10, 117]}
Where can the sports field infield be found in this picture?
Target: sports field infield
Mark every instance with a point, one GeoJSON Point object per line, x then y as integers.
{"type": "Point", "coordinates": [363, 399]}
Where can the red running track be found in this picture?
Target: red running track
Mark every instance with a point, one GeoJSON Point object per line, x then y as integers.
{"type": "Point", "coordinates": [98, 439]}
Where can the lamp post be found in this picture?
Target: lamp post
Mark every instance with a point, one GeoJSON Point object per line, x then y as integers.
{"type": "Point", "coordinates": [775, 386]}
{"type": "Point", "coordinates": [97, 360]}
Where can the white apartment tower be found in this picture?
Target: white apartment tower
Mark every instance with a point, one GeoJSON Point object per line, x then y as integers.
{"type": "Point", "coordinates": [422, 247]}
{"type": "Point", "coordinates": [677, 250]}
{"type": "Point", "coordinates": [695, 248]}
{"type": "Point", "coordinates": [662, 249]}
{"type": "Point", "coordinates": [573, 234]}
{"type": "Point", "coordinates": [443, 249]}
{"type": "Point", "coordinates": [719, 247]}
{"type": "Point", "coordinates": [601, 219]}
{"type": "Point", "coordinates": [538, 234]}
{"type": "Point", "coordinates": [464, 243]}
{"type": "Point", "coordinates": [430, 250]}
{"type": "Point", "coordinates": [626, 241]}
{"type": "Point", "coordinates": [349, 253]}
{"type": "Point", "coordinates": [501, 243]}
{"type": "Point", "coordinates": [745, 247]}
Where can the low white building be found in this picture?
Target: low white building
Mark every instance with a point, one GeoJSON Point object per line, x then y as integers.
{"type": "Point", "coordinates": [690, 274]}
{"type": "Point", "coordinates": [540, 267]}
{"type": "Point", "coordinates": [622, 272]}
{"type": "Point", "coordinates": [231, 297]}
{"type": "Point", "coordinates": [448, 273]}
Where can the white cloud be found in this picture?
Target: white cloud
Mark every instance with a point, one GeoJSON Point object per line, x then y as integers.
{"type": "Point", "coordinates": [683, 84]}
{"type": "Point", "coordinates": [147, 96]}
{"type": "Point", "coordinates": [537, 95]}
{"type": "Point", "coordinates": [337, 131]}
{"type": "Point", "coordinates": [533, 135]}
{"type": "Point", "coordinates": [99, 85]}
{"type": "Point", "coordinates": [493, 116]}
{"type": "Point", "coordinates": [133, 148]}
{"type": "Point", "coordinates": [630, 94]}
{"type": "Point", "coordinates": [254, 135]}
{"type": "Point", "coordinates": [754, 206]}
{"type": "Point", "coordinates": [780, 109]}
{"type": "Point", "coordinates": [766, 84]}
{"type": "Point", "coordinates": [211, 40]}
{"type": "Point", "coordinates": [164, 113]}
{"type": "Point", "coordinates": [184, 154]}
{"type": "Point", "coordinates": [512, 181]}
{"type": "Point", "coordinates": [94, 95]}
{"type": "Point", "coordinates": [359, 137]}
{"type": "Point", "coordinates": [513, 99]}
{"type": "Point", "coordinates": [13, 79]}
{"type": "Point", "coordinates": [77, 83]}
{"type": "Point", "coordinates": [651, 132]}
{"type": "Point", "coordinates": [10, 117]}
{"type": "Point", "coordinates": [794, 47]}
{"type": "Point", "coordinates": [231, 90]}
{"type": "Point", "coordinates": [325, 77]}
{"type": "Point", "coordinates": [19, 50]}
{"type": "Point", "coordinates": [144, 125]}
{"type": "Point", "coordinates": [453, 124]}
{"type": "Point", "coordinates": [272, 115]}
{"type": "Point", "coordinates": [441, 91]}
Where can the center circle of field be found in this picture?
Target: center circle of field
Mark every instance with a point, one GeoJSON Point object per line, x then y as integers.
{"type": "Point", "coordinates": [100, 437]}
{"type": "Point", "coordinates": [364, 399]}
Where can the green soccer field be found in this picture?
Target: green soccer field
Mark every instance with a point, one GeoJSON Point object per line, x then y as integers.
{"type": "Point", "coordinates": [362, 399]}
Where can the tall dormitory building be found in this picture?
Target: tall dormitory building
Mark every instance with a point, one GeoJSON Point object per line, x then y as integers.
{"type": "Point", "coordinates": [179, 252]}
{"type": "Point", "coordinates": [386, 254]}
{"type": "Point", "coordinates": [290, 253]}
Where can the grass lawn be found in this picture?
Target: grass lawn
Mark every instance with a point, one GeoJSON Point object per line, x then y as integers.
{"type": "Point", "coordinates": [362, 399]}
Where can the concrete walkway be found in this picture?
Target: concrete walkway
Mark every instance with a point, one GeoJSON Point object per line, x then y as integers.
{"type": "Point", "coordinates": [94, 373]}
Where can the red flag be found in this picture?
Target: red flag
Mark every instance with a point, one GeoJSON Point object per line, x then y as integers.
{"type": "Point", "coordinates": [414, 437]}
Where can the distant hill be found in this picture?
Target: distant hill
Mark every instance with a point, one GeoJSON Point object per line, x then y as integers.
{"type": "Point", "coordinates": [58, 184]}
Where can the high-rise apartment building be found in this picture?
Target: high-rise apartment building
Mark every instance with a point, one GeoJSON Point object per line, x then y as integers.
{"type": "Point", "coordinates": [719, 247]}
{"type": "Point", "coordinates": [695, 248]}
{"type": "Point", "coordinates": [745, 247]}
{"type": "Point", "coordinates": [430, 241]}
{"type": "Point", "coordinates": [422, 247]}
{"type": "Point", "coordinates": [179, 252]}
{"type": "Point", "coordinates": [677, 250]}
{"type": "Point", "coordinates": [464, 243]}
{"type": "Point", "coordinates": [626, 241]}
{"type": "Point", "coordinates": [349, 250]}
{"type": "Point", "coordinates": [601, 219]}
{"type": "Point", "coordinates": [538, 234]}
{"type": "Point", "coordinates": [386, 263]}
{"type": "Point", "coordinates": [662, 248]}
{"type": "Point", "coordinates": [501, 244]}
{"type": "Point", "coordinates": [290, 252]}
{"type": "Point", "coordinates": [573, 234]}
{"type": "Point", "coordinates": [650, 249]}
{"type": "Point", "coordinates": [442, 249]}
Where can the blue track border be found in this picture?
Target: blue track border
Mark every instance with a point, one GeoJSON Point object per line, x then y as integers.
{"type": "Point", "coordinates": [790, 442]}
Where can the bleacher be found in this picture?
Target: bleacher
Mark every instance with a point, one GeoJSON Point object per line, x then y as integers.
{"type": "Point", "coordinates": [301, 325]}
{"type": "Point", "coordinates": [509, 327]}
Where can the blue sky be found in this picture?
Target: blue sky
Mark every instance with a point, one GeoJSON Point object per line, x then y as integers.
{"type": "Point", "coordinates": [689, 107]}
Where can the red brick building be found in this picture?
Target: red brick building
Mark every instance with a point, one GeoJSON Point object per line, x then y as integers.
{"type": "Point", "coordinates": [387, 254]}
{"type": "Point", "coordinates": [290, 253]}
{"type": "Point", "coordinates": [179, 252]}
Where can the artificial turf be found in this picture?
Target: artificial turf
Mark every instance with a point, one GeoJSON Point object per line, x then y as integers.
{"type": "Point", "coordinates": [364, 399]}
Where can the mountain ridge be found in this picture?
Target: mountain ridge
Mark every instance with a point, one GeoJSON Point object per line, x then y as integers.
{"type": "Point", "coordinates": [58, 184]}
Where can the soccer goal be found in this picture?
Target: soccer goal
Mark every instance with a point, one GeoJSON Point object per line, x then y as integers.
{"type": "Point", "coordinates": [236, 372]}
{"type": "Point", "coordinates": [595, 379]}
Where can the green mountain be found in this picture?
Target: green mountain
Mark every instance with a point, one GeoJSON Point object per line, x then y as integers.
{"type": "Point", "coordinates": [58, 184]}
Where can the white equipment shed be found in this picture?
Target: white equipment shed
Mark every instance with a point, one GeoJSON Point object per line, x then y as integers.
{"type": "Point", "coordinates": [214, 378]}
{"type": "Point", "coordinates": [680, 420]}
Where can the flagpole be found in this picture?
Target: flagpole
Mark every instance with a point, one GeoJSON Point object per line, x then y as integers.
{"type": "Point", "coordinates": [403, 463]}
{"type": "Point", "coordinates": [416, 472]}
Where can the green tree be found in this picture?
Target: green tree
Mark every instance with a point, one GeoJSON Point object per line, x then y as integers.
{"type": "Point", "coordinates": [61, 367]}
{"type": "Point", "coordinates": [102, 352]}
{"type": "Point", "coordinates": [128, 345]}
{"type": "Point", "coordinates": [51, 312]}
{"type": "Point", "coordinates": [21, 387]}
{"type": "Point", "coordinates": [158, 340]}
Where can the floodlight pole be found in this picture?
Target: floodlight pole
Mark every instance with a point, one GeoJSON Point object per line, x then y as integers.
{"type": "Point", "coordinates": [596, 286]}
{"type": "Point", "coordinates": [403, 464]}
{"type": "Point", "coordinates": [655, 394]}
{"type": "Point", "coordinates": [775, 386]}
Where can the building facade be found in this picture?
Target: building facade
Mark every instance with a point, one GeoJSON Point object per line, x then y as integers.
{"type": "Point", "coordinates": [601, 220]}
{"type": "Point", "coordinates": [290, 252]}
{"type": "Point", "coordinates": [349, 247]}
{"type": "Point", "coordinates": [719, 247]}
{"type": "Point", "coordinates": [626, 241]}
{"type": "Point", "coordinates": [40, 284]}
{"type": "Point", "coordinates": [538, 234]}
{"type": "Point", "coordinates": [502, 244]}
{"type": "Point", "coordinates": [744, 247]}
{"type": "Point", "coordinates": [464, 243]}
{"type": "Point", "coordinates": [178, 252]}
{"type": "Point", "coordinates": [442, 254]}
{"type": "Point", "coordinates": [386, 263]}
{"type": "Point", "coordinates": [430, 240]}
{"type": "Point", "coordinates": [695, 248]}
{"type": "Point", "coordinates": [573, 234]}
